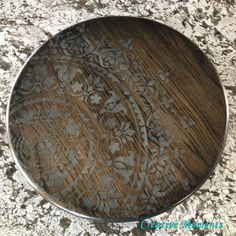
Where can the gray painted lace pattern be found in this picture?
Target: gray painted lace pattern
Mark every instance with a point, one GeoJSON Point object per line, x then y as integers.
{"type": "Point", "coordinates": [157, 154]}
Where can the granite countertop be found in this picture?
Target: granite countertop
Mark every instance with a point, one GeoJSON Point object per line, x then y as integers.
{"type": "Point", "coordinates": [26, 24]}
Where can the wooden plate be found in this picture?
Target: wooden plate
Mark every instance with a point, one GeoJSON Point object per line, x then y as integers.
{"type": "Point", "coordinates": [117, 119]}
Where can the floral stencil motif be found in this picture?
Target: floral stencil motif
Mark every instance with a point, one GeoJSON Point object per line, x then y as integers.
{"type": "Point", "coordinates": [56, 178]}
{"type": "Point", "coordinates": [72, 128]}
{"type": "Point", "coordinates": [177, 152]}
{"type": "Point", "coordinates": [117, 134]}
{"type": "Point", "coordinates": [161, 166]}
{"type": "Point", "coordinates": [126, 44]}
{"type": "Point", "coordinates": [113, 104]}
{"type": "Point", "coordinates": [37, 78]}
{"type": "Point", "coordinates": [27, 118]}
{"type": "Point", "coordinates": [157, 131]}
{"type": "Point", "coordinates": [33, 116]}
{"type": "Point", "coordinates": [111, 58]}
{"type": "Point", "coordinates": [114, 147]}
{"type": "Point", "coordinates": [89, 89]}
{"type": "Point", "coordinates": [73, 156]}
{"type": "Point", "coordinates": [76, 44]}
{"type": "Point", "coordinates": [143, 84]}
{"type": "Point", "coordinates": [164, 76]}
{"type": "Point", "coordinates": [166, 102]}
{"type": "Point", "coordinates": [104, 199]}
{"type": "Point", "coordinates": [46, 147]}
{"type": "Point", "coordinates": [149, 199]}
{"type": "Point", "coordinates": [187, 123]}
{"type": "Point", "coordinates": [121, 165]}
{"type": "Point", "coordinates": [62, 171]}
{"type": "Point", "coordinates": [67, 73]}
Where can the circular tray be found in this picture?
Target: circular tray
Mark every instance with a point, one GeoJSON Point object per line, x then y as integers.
{"type": "Point", "coordinates": [117, 119]}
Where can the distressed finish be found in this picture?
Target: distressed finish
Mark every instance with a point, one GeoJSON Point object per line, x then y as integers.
{"type": "Point", "coordinates": [118, 118]}
{"type": "Point", "coordinates": [210, 24]}
{"type": "Point", "coordinates": [111, 128]}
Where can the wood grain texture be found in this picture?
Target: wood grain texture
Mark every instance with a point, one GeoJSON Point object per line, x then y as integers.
{"type": "Point", "coordinates": [118, 118]}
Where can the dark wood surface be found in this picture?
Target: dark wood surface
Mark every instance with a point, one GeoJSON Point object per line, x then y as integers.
{"type": "Point", "coordinates": [118, 118]}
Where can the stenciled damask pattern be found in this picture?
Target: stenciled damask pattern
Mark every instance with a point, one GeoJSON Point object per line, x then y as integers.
{"type": "Point", "coordinates": [63, 104]}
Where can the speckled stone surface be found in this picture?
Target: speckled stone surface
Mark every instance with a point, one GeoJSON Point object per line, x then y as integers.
{"type": "Point", "coordinates": [26, 24]}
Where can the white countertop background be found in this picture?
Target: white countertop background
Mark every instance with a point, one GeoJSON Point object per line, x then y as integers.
{"type": "Point", "coordinates": [26, 24]}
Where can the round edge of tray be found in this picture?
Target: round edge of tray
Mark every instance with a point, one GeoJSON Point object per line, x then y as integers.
{"type": "Point", "coordinates": [57, 203]}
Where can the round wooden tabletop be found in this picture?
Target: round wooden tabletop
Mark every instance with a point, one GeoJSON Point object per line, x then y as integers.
{"type": "Point", "coordinates": [117, 119]}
